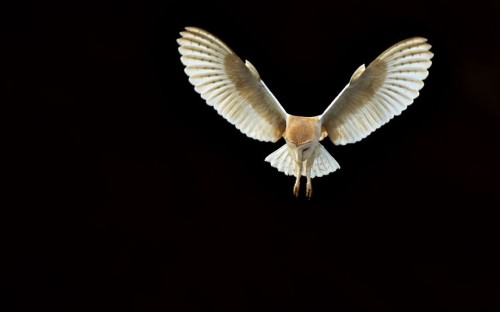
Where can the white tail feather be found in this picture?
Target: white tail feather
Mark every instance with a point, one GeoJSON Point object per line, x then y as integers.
{"type": "Point", "coordinates": [282, 160]}
{"type": "Point", "coordinates": [323, 164]}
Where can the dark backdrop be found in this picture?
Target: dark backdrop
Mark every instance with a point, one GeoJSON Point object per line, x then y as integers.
{"type": "Point", "coordinates": [131, 194]}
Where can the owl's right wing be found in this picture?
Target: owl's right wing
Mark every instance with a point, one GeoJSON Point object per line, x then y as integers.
{"type": "Point", "coordinates": [378, 92]}
{"type": "Point", "coordinates": [232, 87]}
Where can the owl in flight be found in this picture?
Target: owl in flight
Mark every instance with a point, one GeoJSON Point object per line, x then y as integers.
{"type": "Point", "coordinates": [373, 96]}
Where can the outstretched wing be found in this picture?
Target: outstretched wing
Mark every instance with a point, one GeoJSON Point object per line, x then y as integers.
{"type": "Point", "coordinates": [232, 87]}
{"type": "Point", "coordinates": [378, 93]}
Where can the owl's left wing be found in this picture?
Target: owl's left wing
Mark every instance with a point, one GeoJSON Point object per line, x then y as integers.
{"type": "Point", "coordinates": [378, 93]}
{"type": "Point", "coordinates": [232, 87]}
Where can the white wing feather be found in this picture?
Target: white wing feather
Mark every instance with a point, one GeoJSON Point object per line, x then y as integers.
{"type": "Point", "coordinates": [232, 87]}
{"type": "Point", "coordinates": [378, 93]}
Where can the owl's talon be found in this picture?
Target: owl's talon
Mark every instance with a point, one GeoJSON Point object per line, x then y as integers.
{"type": "Point", "coordinates": [309, 190]}
{"type": "Point", "coordinates": [296, 189]}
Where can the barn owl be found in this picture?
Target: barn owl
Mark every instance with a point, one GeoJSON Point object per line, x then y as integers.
{"type": "Point", "coordinates": [373, 96]}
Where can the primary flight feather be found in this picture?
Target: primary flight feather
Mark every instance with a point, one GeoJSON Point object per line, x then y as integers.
{"type": "Point", "coordinates": [373, 96]}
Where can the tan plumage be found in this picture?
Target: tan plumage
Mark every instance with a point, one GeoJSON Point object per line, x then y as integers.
{"type": "Point", "coordinates": [372, 97]}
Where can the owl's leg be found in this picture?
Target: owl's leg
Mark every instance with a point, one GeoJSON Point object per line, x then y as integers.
{"type": "Point", "coordinates": [309, 189]}
{"type": "Point", "coordinates": [298, 174]}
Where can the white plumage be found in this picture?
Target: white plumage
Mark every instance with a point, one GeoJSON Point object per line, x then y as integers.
{"type": "Point", "coordinates": [373, 96]}
{"type": "Point", "coordinates": [323, 164]}
{"type": "Point", "coordinates": [232, 87]}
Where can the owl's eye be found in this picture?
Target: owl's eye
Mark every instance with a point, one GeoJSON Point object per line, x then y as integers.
{"type": "Point", "coordinates": [305, 149]}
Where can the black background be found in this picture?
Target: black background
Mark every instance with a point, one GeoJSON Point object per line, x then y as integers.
{"type": "Point", "coordinates": [131, 194]}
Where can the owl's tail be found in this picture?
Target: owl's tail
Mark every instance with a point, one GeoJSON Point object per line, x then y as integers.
{"type": "Point", "coordinates": [282, 160]}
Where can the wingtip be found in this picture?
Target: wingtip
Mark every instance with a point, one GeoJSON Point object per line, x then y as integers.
{"type": "Point", "coordinates": [195, 29]}
{"type": "Point", "coordinates": [418, 39]}
{"type": "Point", "coordinates": [190, 29]}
